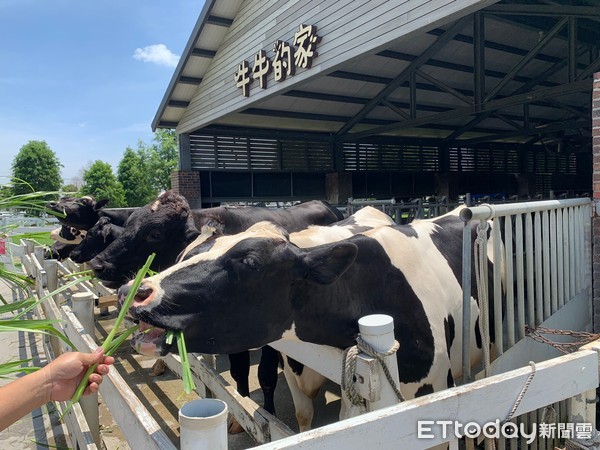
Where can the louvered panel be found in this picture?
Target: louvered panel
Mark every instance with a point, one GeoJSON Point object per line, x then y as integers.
{"type": "Point", "coordinates": [294, 155]}
{"type": "Point", "coordinates": [498, 160]}
{"type": "Point", "coordinates": [430, 159]}
{"type": "Point", "coordinates": [264, 154]}
{"type": "Point", "coordinates": [512, 161]}
{"type": "Point", "coordinates": [482, 160]}
{"type": "Point", "coordinates": [350, 156]}
{"type": "Point", "coordinates": [453, 159]}
{"type": "Point", "coordinates": [411, 158]}
{"type": "Point", "coordinates": [319, 156]}
{"type": "Point", "coordinates": [390, 156]}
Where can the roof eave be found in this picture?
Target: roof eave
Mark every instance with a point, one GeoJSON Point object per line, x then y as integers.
{"type": "Point", "coordinates": [208, 5]}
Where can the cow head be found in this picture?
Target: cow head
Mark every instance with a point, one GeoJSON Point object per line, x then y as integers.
{"type": "Point", "coordinates": [236, 294]}
{"type": "Point", "coordinates": [164, 227]}
{"type": "Point", "coordinates": [67, 235]}
{"type": "Point", "coordinates": [80, 213]}
{"type": "Point", "coordinates": [97, 239]}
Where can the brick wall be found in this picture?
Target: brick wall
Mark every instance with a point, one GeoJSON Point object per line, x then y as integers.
{"type": "Point", "coordinates": [187, 183]}
{"type": "Point", "coordinates": [596, 183]}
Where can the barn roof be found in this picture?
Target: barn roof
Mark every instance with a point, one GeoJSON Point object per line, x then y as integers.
{"type": "Point", "coordinates": [511, 71]}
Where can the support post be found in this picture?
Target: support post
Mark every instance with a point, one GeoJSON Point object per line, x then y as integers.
{"type": "Point", "coordinates": [83, 308]}
{"type": "Point", "coordinates": [51, 268]}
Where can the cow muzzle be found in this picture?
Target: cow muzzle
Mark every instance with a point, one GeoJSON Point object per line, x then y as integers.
{"type": "Point", "coordinates": [150, 339]}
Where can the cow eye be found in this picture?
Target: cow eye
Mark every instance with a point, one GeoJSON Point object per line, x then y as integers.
{"type": "Point", "coordinates": [250, 262]}
{"type": "Point", "coordinates": [154, 236]}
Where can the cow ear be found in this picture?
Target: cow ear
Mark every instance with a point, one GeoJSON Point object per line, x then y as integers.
{"type": "Point", "coordinates": [326, 263]}
{"type": "Point", "coordinates": [191, 232]}
{"type": "Point", "coordinates": [100, 204]}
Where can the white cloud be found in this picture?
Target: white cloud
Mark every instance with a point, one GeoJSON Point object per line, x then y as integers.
{"type": "Point", "coordinates": [157, 54]}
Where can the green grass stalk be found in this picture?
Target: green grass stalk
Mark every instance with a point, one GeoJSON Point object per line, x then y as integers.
{"type": "Point", "coordinates": [107, 345]}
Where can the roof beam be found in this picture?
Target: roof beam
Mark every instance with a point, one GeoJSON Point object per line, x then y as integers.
{"type": "Point", "coordinates": [203, 53]}
{"type": "Point", "coordinates": [527, 58]}
{"type": "Point", "coordinates": [550, 128]}
{"type": "Point", "coordinates": [391, 87]}
{"type": "Point", "coordinates": [491, 106]}
{"type": "Point", "coordinates": [178, 104]}
{"type": "Point", "coordinates": [189, 80]}
{"type": "Point", "coordinates": [219, 21]}
{"type": "Point", "coordinates": [544, 10]}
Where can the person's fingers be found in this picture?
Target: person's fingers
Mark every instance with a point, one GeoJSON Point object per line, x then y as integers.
{"type": "Point", "coordinates": [102, 369]}
{"type": "Point", "coordinates": [91, 358]}
{"type": "Point", "coordinates": [95, 378]}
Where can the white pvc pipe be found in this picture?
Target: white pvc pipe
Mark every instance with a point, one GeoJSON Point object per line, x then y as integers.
{"type": "Point", "coordinates": [377, 330]}
{"type": "Point", "coordinates": [203, 425]}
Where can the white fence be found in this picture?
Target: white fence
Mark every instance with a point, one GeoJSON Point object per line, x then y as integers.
{"type": "Point", "coordinates": [547, 264]}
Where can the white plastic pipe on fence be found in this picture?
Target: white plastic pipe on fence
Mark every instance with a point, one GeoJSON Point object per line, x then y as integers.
{"type": "Point", "coordinates": [377, 330]}
{"type": "Point", "coordinates": [203, 425]}
{"type": "Point", "coordinates": [83, 308]}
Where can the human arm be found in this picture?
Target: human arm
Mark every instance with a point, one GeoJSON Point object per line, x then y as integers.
{"type": "Point", "coordinates": [56, 381]}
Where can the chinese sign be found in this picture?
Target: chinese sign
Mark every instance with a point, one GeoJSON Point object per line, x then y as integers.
{"type": "Point", "coordinates": [287, 57]}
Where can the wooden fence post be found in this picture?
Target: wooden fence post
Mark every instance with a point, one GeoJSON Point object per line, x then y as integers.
{"type": "Point", "coordinates": [83, 308]}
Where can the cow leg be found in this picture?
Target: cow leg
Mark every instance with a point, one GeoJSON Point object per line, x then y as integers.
{"type": "Point", "coordinates": [267, 376]}
{"type": "Point", "coordinates": [304, 384]}
{"type": "Point", "coordinates": [240, 370]}
{"type": "Point", "coordinates": [239, 367]}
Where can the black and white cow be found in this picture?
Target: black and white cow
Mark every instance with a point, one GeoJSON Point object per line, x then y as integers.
{"type": "Point", "coordinates": [166, 226]}
{"type": "Point", "coordinates": [304, 382]}
{"type": "Point", "coordinates": [97, 238]}
{"type": "Point", "coordinates": [256, 287]}
{"type": "Point", "coordinates": [82, 213]}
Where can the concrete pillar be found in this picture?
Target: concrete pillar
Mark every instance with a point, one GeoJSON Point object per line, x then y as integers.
{"type": "Point", "coordinates": [338, 186]}
{"type": "Point", "coordinates": [596, 190]}
{"type": "Point", "coordinates": [187, 183]}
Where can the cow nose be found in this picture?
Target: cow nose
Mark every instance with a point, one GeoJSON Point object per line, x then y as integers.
{"type": "Point", "coordinates": [52, 204]}
{"type": "Point", "coordinates": [143, 292]}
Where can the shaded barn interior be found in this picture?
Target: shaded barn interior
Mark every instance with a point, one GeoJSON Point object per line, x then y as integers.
{"type": "Point", "coordinates": [475, 96]}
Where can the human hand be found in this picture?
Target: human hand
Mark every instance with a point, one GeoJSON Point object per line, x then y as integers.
{"type": "Point", "coordinates": [64, 374]}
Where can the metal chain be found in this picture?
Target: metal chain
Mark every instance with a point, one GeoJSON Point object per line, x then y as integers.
{"type": "Point", "coordinates": [564, 347]}
{"type": "Point", "coordinates": [349, 369]}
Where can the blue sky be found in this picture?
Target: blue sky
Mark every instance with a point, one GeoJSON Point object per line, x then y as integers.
{"type": "Point", "coordinates": [86, 76]}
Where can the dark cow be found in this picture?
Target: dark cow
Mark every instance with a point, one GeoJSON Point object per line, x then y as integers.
{"type": "Point", "coordinates": [82, 213]}
{"type": "Point", "coordinates": [167, 226]}
{"type": "Point", "coordinates": [256, 287]}
{"type": "Point", "coordinates": [164, 227]}
{"type": "Point", "coordinates": [67, 235]}
{"type": "Point", "coordinates": [100, 236]}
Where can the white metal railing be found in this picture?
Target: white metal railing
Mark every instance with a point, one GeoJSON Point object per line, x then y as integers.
{"type": "Point", "coordinates": [541, 254]}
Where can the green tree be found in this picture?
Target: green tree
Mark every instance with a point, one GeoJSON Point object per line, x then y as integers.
{"type": "Point", "coordinates": [100, 182]}
{"type": "Point", "coordinates": [69, 188]}
{"type": "Point", "coordinates": [134, 177]}
{"type": "Point", "coordinates": [163, 158]}
{"type": "Point", "coordinates": [38, 166]}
